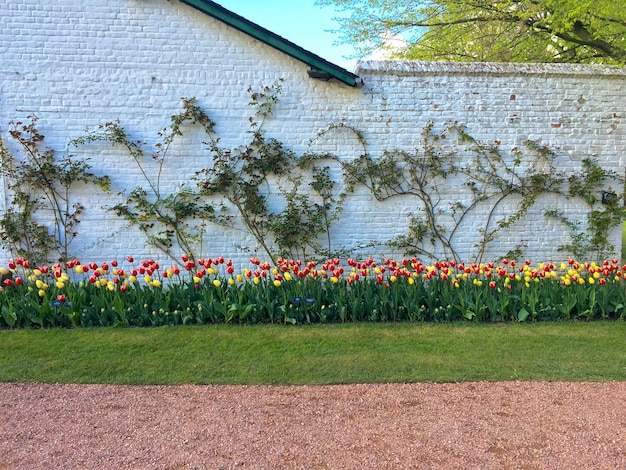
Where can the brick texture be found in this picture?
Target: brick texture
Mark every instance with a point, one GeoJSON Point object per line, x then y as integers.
{"type": "Point", "coordinates": [77, 64]}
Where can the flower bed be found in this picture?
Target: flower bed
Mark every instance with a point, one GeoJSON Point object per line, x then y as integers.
{"type": "Point", "coordinates": [143, 293]}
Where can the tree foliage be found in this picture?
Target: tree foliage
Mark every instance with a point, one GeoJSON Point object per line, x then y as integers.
{"type": "Point", "coordinates": [579, 31]}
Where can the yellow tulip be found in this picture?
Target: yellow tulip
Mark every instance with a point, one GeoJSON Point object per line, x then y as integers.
{"type": "Point", "coordinates": [156, 283]}
{"type": "Point", "coordinates": [41, 292]}
{"type": "Point", "coordinates": [216, 282]}
{"type": "Point", "coordinates": [60, 284]}
{"type": "Point", "coordinates": [256, 280]}
{"type": "Point", "coordinates": [287, 277]}
{"type": "Point", "coordinates": [411, 281]}
{"type": "Point", "coordinates": [231, 281]}
{"type": "Point", "coordinates": [276, 282]}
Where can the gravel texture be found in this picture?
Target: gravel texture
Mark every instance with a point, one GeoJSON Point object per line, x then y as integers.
{"type": "Point", "coordinates": [502, 425]}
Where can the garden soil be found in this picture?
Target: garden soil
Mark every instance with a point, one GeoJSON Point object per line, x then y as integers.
{"type": "Point", "coordinates": [501, 425]}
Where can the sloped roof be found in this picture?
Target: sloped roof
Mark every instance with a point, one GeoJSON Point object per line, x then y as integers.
{"type": "Point", "coordinates": [319, 68]}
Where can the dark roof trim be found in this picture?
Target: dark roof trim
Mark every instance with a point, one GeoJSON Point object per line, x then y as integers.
{"type": "Point", "coordinates": [320, 68]}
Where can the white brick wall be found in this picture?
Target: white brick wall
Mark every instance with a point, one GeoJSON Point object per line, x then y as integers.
{"type": "Point", "coordinates": [76, 64]}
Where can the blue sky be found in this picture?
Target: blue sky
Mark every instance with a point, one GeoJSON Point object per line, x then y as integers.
{"type": "Point", "coordinates": [299, 21]}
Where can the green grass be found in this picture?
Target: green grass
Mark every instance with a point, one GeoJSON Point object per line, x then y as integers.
{"type": "Point", "coordinates": [327, 354]}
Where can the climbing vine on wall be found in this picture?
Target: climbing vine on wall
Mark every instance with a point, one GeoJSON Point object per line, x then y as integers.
{"type": "Point", "coordinates": [40, 184]}
{"type": "Point", "coordinates": [243, 175]}
{"type": "Point", "coordinates": [605, 211]}
{"type": "Point", "coordinates": [234, 188]}
{"type": "Point", "coordinates": [485, 177]}
{"type": "Point", "coordinates": [168, 219]}
{"type": "Point", "coordinates": [288, 202]}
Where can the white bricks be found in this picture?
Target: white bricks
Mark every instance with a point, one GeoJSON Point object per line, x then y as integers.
{"type": "Point", "coordinates": [76, 64]}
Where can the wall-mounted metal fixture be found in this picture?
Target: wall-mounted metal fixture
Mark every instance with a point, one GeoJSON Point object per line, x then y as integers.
{"type": "Point", "coordinates": [319, 74]}
{"type": "Point", "coordinates": [609, 198]}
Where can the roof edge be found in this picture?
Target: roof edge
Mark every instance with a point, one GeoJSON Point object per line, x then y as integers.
{"type": "Point", "coordinates": [320, 67]}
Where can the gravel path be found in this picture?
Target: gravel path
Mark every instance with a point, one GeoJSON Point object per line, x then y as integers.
{"type": "Point", "coordinates": [503, 425]}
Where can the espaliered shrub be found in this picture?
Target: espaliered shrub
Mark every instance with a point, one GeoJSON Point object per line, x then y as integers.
{"type": "Point", "coordinates": [294, 292]}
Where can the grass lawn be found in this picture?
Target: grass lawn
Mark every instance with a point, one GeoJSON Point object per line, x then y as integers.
{"type": "Point", "coordinates": [324, 354]}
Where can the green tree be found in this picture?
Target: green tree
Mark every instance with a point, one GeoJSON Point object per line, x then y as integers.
{"type": "Point", "coordinates": [580, 31]}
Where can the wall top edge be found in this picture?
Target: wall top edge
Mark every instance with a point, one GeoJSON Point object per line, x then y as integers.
{"type": "Point", "coordinates": [402, 67]}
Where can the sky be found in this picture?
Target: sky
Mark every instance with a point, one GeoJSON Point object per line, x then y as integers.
{"type": "Point", "coordinates": [299, 21]}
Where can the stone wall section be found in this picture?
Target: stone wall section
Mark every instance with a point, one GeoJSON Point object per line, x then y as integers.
{"type": "Point", "coordinates": [78, 64]}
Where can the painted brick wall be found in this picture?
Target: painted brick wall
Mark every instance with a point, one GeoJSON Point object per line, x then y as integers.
{"type": "Point", "coordinates": [79, 64]}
